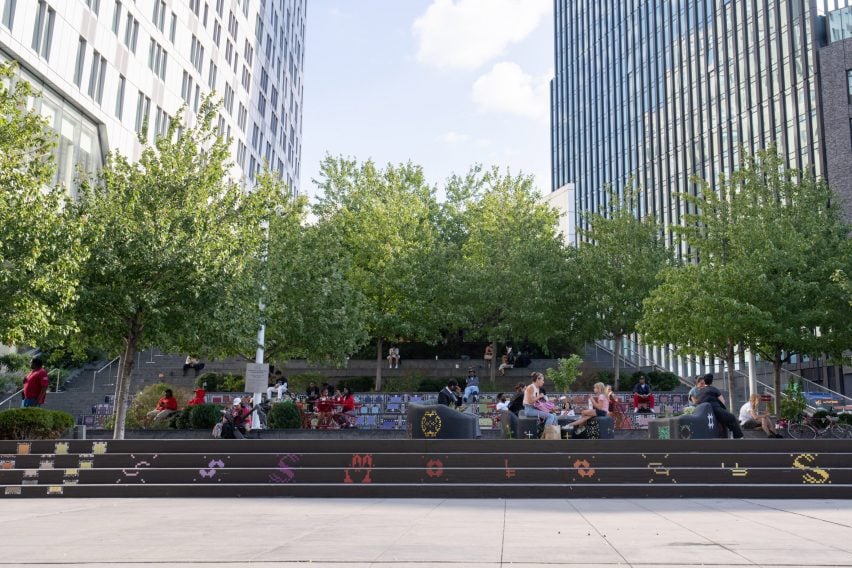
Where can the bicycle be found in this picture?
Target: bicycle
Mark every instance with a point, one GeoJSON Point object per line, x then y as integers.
{"type": "Point", "coordinates": [810, 428]}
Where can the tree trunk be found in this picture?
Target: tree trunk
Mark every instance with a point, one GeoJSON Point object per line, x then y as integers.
{"type": "Point", "coordinates": [123, 387]}
{"type": "Point", "coordinates": [776, 363]}
{"type": "Point", "coordinates": [492, 372]}
{"type": "Point", "coordinates": [616, 361]}
{"type": "Point", "coordinates": [729, 362]}
{"type": "Point", "coordinates": [379, 365]}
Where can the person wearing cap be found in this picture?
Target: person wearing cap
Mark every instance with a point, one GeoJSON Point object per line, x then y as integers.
{"type": "Point", "coordinates": [642, 397]}
{"type": "Point", "coordinates": [471, 388]}
{"type": "Point", "coordinates": [236, 418]}
{"type": "Point", "coordinates": [166, 406]}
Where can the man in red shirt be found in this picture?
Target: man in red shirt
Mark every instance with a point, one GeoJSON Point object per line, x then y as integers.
{"type": "Point", "coordinates": [166, 406]}
{"type": "Point", "coordinates": [35, 384]}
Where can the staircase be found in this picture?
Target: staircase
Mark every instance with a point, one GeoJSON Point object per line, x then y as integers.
{"type": "Point", "coordinates": [811, 469]}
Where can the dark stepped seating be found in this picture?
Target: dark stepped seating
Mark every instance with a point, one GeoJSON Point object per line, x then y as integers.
{"type": "Point", "coordinates": [428, 468]}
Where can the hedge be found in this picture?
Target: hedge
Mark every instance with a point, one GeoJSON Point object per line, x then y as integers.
{"type": "Point", "coordinates": [34, 424]}
{"type": "Point", "coordinates": [283, 415]}
{"type": "Point", "coordinates": [221, 382]}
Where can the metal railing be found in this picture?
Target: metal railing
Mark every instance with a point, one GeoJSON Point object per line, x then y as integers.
{"type": "Point", "coordinates": [8, 401]}
{"type": "Point", "coordinates": [104, 368]}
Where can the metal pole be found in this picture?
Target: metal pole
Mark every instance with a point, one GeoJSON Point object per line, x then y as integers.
{"type": "Point", "coordinates": [752, 375]}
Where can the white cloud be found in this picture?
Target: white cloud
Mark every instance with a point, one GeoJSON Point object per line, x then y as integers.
{"type": "Point", "coordinates": [508, 89]}
{"type": "Point", "coordinates": [452, 137]}
{"type": "Point", "coordinates": [465, 34]}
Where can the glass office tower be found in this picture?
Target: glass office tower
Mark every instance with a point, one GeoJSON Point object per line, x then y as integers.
{"type": "Point", "coordinates": [652, 92]}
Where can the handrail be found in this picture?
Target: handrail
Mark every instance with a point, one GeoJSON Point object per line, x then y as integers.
{"type": "Point", "coordinates": [11, 397]}
{"type": "Point", "coordinates": [96, 373]}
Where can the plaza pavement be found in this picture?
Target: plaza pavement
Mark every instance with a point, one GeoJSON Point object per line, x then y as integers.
{"type": "Point", "coordinates": [416, 533]}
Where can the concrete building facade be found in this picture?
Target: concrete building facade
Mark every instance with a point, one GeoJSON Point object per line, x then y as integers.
{"type": "Point", "coordinates": [109, 70]}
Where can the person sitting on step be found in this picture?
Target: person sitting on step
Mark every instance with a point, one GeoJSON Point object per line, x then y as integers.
{"type": "Point", "coordinates": [598, 406]}
{"type": "Point", "coordinates": [750, 418]}
{"type": "Point", "coordinates": [166, 406]}
{"type": "Point", "coordinates": [192, 362]}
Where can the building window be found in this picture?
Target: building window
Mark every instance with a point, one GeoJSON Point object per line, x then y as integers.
{"type": "Point", "coordinates": [116, 17]}
{"type": "Point", "coordinates": [220, 5]}
{"type": "Point", "coordinates": [94, 6]}
{"type": "Point", "coordinates": [229, 99]}
{"type": "Point", "coordinates": [193, 5]}
{"type": "Point", "coordinates": [43, 31]}
{"type": "Point", "coordinates": [143, 108]}
{"type": "Point", "coordinates": [197, 97]}
{"type": "Point", "coordinates": [211, 75]}
{"type": "Point", "coordinates": [9, 13]}
{"type": "Point", "coordinates": [849, 86]}
{"type": "Point", "coordinates": [232, 26]}
{"type": "Point", "coordinates": [172, 28]}
{"type": "Point", "coordinates": [217, 32]}
{"type": "Point", "coordinates": [186, 87]}
{"type": "Point", "coordinates": [96, 77]}
{"type": "Point", "coordinates": [242, 113]}
{"type": "Point", "coordinates": [159, 15]}
{"type": "Point", "coordinates": [157, 59]}
{"type": "Point", "coordinates": [196, 54]}
{"type": "Point", "coordinates": [81, 60]}
{"type": "Point", "coordinates": [119, 97]}
{"type": "Point", "coordinates": [131, 33]}
{"type": "Point", "coordinates": [161, 123]}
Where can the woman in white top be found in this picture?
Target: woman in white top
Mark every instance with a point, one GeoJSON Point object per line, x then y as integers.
{"type": "Point", "coordinates": [532, 394]}
{"type": "Point", "coordinates": [750, 418]}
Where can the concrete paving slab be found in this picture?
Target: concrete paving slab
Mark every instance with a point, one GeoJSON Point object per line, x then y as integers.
{"type": "Point", "coordinates": [415, 533]}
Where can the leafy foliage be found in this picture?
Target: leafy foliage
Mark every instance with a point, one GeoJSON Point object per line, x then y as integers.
{"type": "Point", "coordinates": [386, 221]}
{"type": "Point", "coordinates": [565, 373]}
{"type": "Point", "coordinates": [146, 400]}
{"type": "Point", "coordinates": [793, 403]}
{"type": "Point", "coordinates": [221, 382]}
{"type": "Point", "coordinates": [34, 424]}
{"type": "Point", "coordinates": [15, 362]}
{"type": "Point", "coordinates": [40, 242]}
{"type": "Point", "coordinates": [173, 248]}
{"type": "Point", "coordinates": [659, 380]}
{"type": "Point", "coordinates": [284, 415]}
{"type": "Point", "coordinates": [204, 415]}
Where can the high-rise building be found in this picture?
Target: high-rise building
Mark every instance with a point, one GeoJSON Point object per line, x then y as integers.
{"type": "Point", "coordinates": [652, 92]}
{"type": "Point", "coordinates": [108, 70]}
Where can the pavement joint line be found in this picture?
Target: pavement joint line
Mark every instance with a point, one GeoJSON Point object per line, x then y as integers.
{"type": "Point", "coordinates": [600, 534]}
{"type": "Point", "coordinates": [766, 506]}
{"type": "Point", "coordinates": [503, 532]}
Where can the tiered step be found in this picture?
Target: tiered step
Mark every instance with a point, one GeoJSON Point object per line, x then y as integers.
{"type": "Point", "coordinates": [428, 468]}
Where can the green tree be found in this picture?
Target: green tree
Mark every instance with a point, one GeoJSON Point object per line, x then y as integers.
{"type": "Point", "coordinates": [510, 257]}
{"type": "Point", "coordinates": [312, 310]}
{"type": "Point", "coordinates": [172, 242]}
{"type": "Point", "coordinates": [617, 267]}
{"type": "Point", "coordinates": [792, 231]}
{"type": "Point", "coordinates": [40, 245]}
{"type": "Point", "coordinates": [386, 219]}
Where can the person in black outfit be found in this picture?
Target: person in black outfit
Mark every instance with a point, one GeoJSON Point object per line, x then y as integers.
{"type": "Point", "coordinates": [449, 395]}
{"type": "Point", "coordinates": [518, 400]}
{"type": "Point", "coordinates": [713, 396]}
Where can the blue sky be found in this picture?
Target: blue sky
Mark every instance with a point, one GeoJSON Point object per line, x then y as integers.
{"type": "Point", "coordinates": [443, 83]}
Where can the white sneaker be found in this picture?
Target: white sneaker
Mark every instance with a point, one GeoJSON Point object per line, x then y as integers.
{"type": "Point", "coordinates": [568, 427]}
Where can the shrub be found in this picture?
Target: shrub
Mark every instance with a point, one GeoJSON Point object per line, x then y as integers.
{"type": "Point", "coordinates": [566, 372]}
{"type": "Point", "coordinates": [844, 418]}
{"type": "Point", "coordinates": [357, 384]}
{"type": "Point", "coordinates": [10, 382]}
{"type": "Point", "coordinates": [204, 416]}
{"type": "Point", "coordinates": [146, 400]}
{"type": "Point", "coordinates": [431, 385]}
{"type": "Point", "coordinates": [33, 424]}
{"type": "Point", "coordinates": [284, 415]}
{"type": "Point", "coordinates": [793, 402]}
{"type": "Point", "coordinates": [409, 382]}
{"type": "Point", "coordinates": [182, 420]}
{"type": "Point", "coordinates": [16, 362]}
{"type": "Point", "coordinates": [221, 382]}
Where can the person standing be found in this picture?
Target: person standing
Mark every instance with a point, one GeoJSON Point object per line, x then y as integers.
{"type": "Point", "coordinates": [35, 384]}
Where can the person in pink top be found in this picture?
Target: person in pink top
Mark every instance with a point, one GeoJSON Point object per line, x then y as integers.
{"type": "Point", "coordinates": [599, 406]}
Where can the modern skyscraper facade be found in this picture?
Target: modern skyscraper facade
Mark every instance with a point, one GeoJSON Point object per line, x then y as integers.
{"type": "Point", "coordinates": [652, 92]}
{"type": "Point", "coordinates": [109, 69]}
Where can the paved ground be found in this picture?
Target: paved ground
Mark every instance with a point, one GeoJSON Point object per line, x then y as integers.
{"type": "Point", "coordinates": [326, 533]}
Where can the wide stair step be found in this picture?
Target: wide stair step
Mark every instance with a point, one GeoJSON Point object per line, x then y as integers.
{"type": "Point", "coordinates": [813, 469]}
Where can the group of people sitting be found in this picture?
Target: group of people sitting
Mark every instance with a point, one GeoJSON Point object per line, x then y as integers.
{"type": "Point", "coordinates": [749, 417]}
{"type": "Point", "coordinates": [332, 404]}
